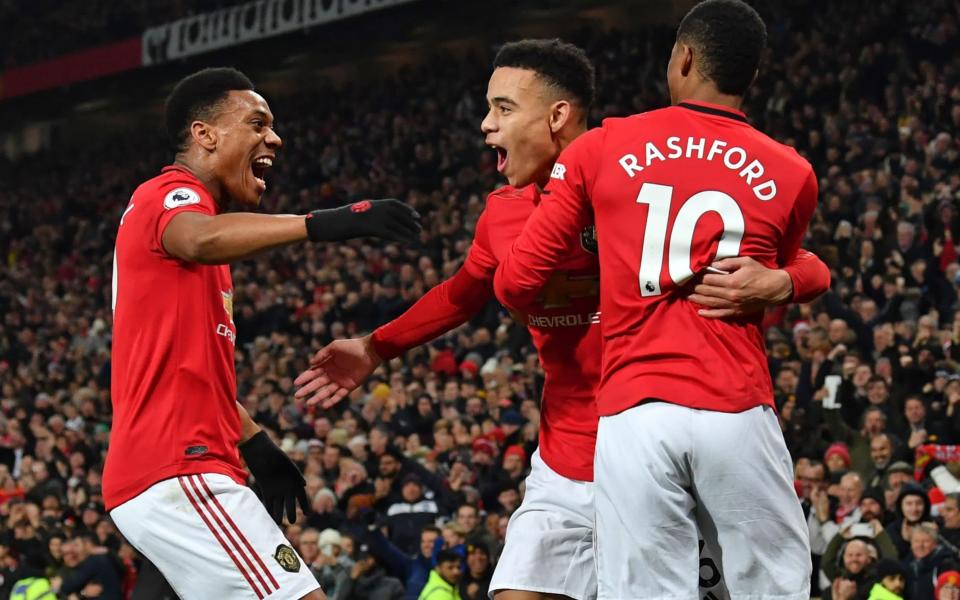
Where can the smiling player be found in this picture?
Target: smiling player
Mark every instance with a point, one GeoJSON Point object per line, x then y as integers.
{"type": "Point", "coordinates": [173, 479]}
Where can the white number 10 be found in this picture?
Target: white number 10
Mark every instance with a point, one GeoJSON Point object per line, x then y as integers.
{"type": "Point", "coordinates": [658, 198]}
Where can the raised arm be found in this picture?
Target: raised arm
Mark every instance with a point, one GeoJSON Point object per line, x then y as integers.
{"type": "Point", "coordinates": [341, 366]}
{"type": "Point", "coordinates": [220, 239]}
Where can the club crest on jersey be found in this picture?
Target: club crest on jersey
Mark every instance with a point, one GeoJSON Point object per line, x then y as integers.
{"type": "Point", "coordinates": [588, 239]}
{"type": "Point", "coordinates": [287, 558]}
{"type": "Point", "coordinates": [228, 303]}
{"type": "Point", "coordinates": [181, 197]}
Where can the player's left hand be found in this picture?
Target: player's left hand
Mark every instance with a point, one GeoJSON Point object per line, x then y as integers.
{"type": "Point", "coordinates": [336, 370]}
{"type": "Point", "coordinates": [280, 482]}
{"type": "Point", "coordinates": [748, 287]}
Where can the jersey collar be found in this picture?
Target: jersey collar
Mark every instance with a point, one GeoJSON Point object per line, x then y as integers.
{"type": "Point", "coordinates": [714, 109]}
{"type": "Point", "coordinates": [169, 168]}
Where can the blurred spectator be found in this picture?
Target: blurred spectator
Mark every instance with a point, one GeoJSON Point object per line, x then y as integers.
{"type": "Point", "coordinates": [891, 580]}
{"type": "Point", "coordinates": [853, 577]}
{"type": "Point", "coordinates": [913, 508]}
{"type": "Point", "coordinates": [366, 580]}
{"type": "Point", "coordinates": [948, 586]}
{"type": "Point", "coordinates": [925, 561]}
{"type": "Point", "coordinates": [85, 563]}
{"type": "Point", "coordinates": [475, 581]}
{"type": "Point", "coordinates": [444, 578]}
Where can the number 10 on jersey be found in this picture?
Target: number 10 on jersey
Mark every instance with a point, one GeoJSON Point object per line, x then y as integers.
{"type": "Point", "coordinates": [658, 199]}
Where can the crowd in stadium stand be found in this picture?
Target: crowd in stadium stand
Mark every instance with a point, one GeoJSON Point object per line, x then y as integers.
{"type": "Point", "coordinates": [431, 453]}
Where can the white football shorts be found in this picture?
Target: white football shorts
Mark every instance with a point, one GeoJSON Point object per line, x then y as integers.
{"type": "Point", "coordinates": [667, 475]}
{"type": "Point", "coordinates": [549, 545]}
{"type": "Point", "coordinates": [212, 538]}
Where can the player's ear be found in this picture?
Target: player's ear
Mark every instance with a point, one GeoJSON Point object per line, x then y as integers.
{"type": "Point", "coordinates": [686, 59]}
{"type": "Point", "coordinates": [561, 112]}
{"type": "Point", "coordinates": [204, 135]}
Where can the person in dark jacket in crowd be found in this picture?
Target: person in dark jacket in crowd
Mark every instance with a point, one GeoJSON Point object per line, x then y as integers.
{"type": "Point", "coordinates": [475, 582]}
{"type": "Point", "coordinates": [913, 507]}
{"type": "Point", "coordinates": [367, 580]}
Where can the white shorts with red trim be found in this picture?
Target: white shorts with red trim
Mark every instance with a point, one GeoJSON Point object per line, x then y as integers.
{"type": "Point", "coordinates": [212, 539]}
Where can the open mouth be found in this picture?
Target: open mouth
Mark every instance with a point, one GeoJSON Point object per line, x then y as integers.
{"type": "Point", "coordinates": [501, 157]}
{"type": "Point", "coordinates": [259, 166]}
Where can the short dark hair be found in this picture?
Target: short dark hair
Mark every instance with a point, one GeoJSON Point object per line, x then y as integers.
{"type": "Point", "coordinates": [197, 97]}
{"type": "Point", "coordinates": [730, 37]}
{"type": "Point", "coordinates": [448, 555]}
{"type": "Point", "coordinates": [560, 64]}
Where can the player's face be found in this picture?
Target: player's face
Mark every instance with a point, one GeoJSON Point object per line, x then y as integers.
{"type": "Point", "coordinates": [517, 126]}
{"type": "Point", "coordinates": [246, 146]}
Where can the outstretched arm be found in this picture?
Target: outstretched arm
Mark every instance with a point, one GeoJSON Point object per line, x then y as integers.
{"type": "Point", "coordinates": [343, 365]}
{"type": "Point", "coordinates": [220, 239]}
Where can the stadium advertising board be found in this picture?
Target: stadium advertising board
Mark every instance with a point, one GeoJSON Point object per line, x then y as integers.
{"type": "Point", "coordinates": [247, 22]}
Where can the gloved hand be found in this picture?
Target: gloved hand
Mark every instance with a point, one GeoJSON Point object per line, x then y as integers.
{"type": "Point", "coordinates": [279, 480]}
{"type": "Point", "coordinates": [388, 219]}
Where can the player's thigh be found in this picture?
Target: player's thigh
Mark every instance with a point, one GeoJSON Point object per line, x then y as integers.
{"type": "Point", "coordinates": [549, 545]}
{"type": "Point", "coordinates": [211, 538]}
{"type": "Point", "coordinates": [743, 481]}
{"type": "Point", "coordinates": [647, 543]}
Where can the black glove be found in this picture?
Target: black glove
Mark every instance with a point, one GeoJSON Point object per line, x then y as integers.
{"type": "Point", "coordinates": [388, 219]}
{"type": "Point", "coordinates": [280, 481]}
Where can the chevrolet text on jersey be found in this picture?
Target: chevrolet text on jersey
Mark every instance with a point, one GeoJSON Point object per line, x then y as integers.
{"type": "Point", "coordinates": [576, 320]}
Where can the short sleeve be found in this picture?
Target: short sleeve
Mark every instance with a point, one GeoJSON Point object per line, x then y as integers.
{"type": "Point", "coordinates": [178, 197]}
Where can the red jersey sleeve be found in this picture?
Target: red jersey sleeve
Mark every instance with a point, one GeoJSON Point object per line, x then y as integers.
{"type": "Point", "coordinates": [179, 196]}
{"type": "Point", "coordinates": [809, 274]}
{"type": "Point", "coordinates": [798, 220]}
{"type": "Point", "coordinates": [481, 261]}
{"type": "Point", "coordinates": [554, 227]}
{"type": "Point", "coordinates": [447, 305]}
{"type": "Point", "coordinates": [441, 309]}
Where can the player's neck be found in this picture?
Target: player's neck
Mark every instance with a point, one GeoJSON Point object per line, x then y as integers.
{"type": "Point", "coordinates": [710, 95]}
{"type": "Point", "coordinates": [564, 138]}
{"type": "Point", "coordinates": [203, 174]}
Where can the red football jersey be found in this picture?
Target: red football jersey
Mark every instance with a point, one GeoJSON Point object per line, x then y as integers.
{"type": "Point", "coordinates": [173, 382]}
{"type": "Point", "coordinates": [670, 191]}
{"type": "Point", "coordinates": [563, 322]}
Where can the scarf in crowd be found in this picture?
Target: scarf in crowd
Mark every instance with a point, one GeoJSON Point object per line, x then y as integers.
{"type": "Point", "coordinates": [929, 452]}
